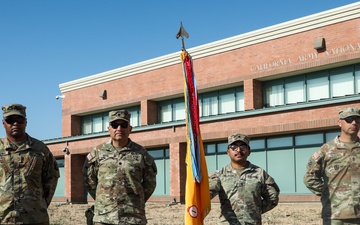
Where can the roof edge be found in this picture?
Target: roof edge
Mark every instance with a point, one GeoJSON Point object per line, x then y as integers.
{"type": "Point", "coordinates": [336, 15]}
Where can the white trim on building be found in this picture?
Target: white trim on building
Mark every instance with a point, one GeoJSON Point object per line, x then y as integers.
{"type": "Point", "coordinates": [311, 22]}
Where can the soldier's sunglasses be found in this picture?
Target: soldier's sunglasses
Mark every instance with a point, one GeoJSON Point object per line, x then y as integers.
{"type": "Point", "coordinates": [12, 120]}
{"type": "Point", "coordinates": [235, 147]}
{"type": "Point", "coordinates": [350, 119]}
{"type": "Point", "coordinates": [122, 125]}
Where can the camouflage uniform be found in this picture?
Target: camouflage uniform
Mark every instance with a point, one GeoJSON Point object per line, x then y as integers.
{"type": "Point", "coordinates": [245, 196]}
{"type": "Point", "coordinates": [120, 181]}
{"type": "Point", "coordinates": [333, 172]}
{"type": "Point", "coordinates": [28, 179]}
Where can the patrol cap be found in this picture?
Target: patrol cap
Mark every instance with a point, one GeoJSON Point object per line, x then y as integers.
{"type": "Point", "coordinates": [349, 111]}
{"type": "Point", "coordinates": [119, 115]}
{"type": "Point", "coordinates": [14, 110]}
{"type": "Point", "coordinates": [239, 137]}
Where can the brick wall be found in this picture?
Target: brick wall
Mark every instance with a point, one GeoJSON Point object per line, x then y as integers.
{"type": "Point", "coordinates": [250, 66]}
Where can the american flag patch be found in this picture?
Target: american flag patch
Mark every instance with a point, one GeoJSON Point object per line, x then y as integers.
{"type": "Point", "coordinates": [89, 157]}
{"type": "Point", "coordinates": [316, 156]}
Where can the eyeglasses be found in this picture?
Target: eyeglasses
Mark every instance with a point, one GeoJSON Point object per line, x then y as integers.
{"type": "Point", "coordinates": [122, 125]}
{"type": "Point", "coordinates": [235, 147]}
{"type": "Point", "coordinates": [12, 120]}
{"type": "Point", "coordinates": [350, 119]}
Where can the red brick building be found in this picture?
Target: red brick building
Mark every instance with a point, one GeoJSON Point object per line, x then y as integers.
{"type": "Point", "coordinates": [282, 85]}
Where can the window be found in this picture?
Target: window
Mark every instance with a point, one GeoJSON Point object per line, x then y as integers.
{"type": "Point", "coordinates": [209, 149]}
{"type": "Point", "coordinates": [179, 109]}
{"type": "Point", "coordinates": [209, 104]}
{"type": "Point", "coordinates": [309, 139]}
{"type": "Point", "coordinates": [275, 93]}
{"type": "Point", "coordinates": [99, 122]}
{"type": "Point", "coordinates": [162, 161]}
{"type": "Point", "coordinates": [331, 135]}
{"type": "Point", "coordinates": [239, 97]}
{"type": "Point", "coordinates": [86, 125]}
{"type": "Point", "coordinates": [313, 86]}
{"type": "Point", "coordinates": [93, 123]}
{"type": "Point", "coordinates": [105, 124]}
{"type": "Point", "coordinates": [342, 83]}
{"type": "Point", "coordinates": [60, 188]}
{"type": "Point", "coordinates": [172, 110]}
{"type": "Point", "coordinates": [215, 148]}
{"type": "Point", "coordinates": [257, 144]}
{"type": "Point", "coordinates": [135, 119]}
{"type": "Point", "coordinates": [213, 103]}
{"type": "Point", "coordinates": [222, 147]}
{"type": "Point", "coordinates": [165, 111]}
{"type": "Point", "coordinates": [279, 142]}
{"type": "Point", "coordinates": [318, 88]}
{"type": "Point", "coordinates": [357, 78]}
{"type": "Point", "coordinates": [161, 153]}
{"type": "Point", "coordinates": [294, 91]}
{"type": "Point", "coordinates": [224, 101]}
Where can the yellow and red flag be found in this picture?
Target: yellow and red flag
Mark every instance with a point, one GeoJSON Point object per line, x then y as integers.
{"type": "Point", "coordinates": [197, 194]}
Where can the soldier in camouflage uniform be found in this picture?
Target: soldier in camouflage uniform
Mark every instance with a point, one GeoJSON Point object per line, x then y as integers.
{"type": "Point", "coordinates": [333, 172]}
{"type": "Point", "coordinates": [28, 172]}
{"type": "Point", "coordinates": [120, 175]}
{"type": "Point", "coordinates": [245, 190]}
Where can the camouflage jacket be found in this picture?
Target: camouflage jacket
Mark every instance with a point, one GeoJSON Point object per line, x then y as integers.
{"type": "Point", "coordinates": [120, 181]}
{"type": "Point", "coordinates": [243, 196]}
{"type": "Point", "coordinates": [333, 172]}
{"type": "Point", "coordinates": [28, 179]}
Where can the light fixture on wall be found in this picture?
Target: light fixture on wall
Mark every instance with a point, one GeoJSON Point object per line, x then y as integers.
{"type": "Point", "coordinates": [66, 149]}
{"type": "Point", "coordinates": [59, 96]}
{"type": "Point", "coordinates": [319, 43]}
{"type": "Point", "coordinates": [103, 94]}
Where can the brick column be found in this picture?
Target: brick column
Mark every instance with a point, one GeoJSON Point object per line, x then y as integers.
{"type": "Point", "coordinates": [253, 94]}
{"type": "Point", "coordinates": [74, 180]}
{"type": "Point", "coordinates": [177, 171]}
{"type": "Point", "coordinates": [149, 112]}
{"type": "Point", "coordinates": [75, 125]}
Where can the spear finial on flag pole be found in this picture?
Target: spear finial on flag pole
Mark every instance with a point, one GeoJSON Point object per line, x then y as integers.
{"type": "Point", "coordinates": [182, 33]}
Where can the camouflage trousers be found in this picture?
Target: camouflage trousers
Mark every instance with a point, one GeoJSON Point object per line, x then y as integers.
{"type": "Point", "coordinates": [341, 222]}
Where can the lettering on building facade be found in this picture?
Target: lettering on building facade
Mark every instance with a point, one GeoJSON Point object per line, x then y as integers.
{"type": "Point", "coordinates": [306, 57]}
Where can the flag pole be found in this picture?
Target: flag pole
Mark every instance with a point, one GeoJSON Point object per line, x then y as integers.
{"type": "Point", "coordinates": [197, 194]}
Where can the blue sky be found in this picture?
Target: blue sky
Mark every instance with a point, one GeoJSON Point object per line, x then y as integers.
{"type": "Point", "coordinates": [45, 43]}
